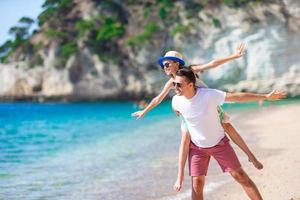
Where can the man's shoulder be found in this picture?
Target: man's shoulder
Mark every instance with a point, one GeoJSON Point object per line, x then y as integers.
{"type": "Point", "coordinates": [208, 90]}
{"type": "Point", "coordinates": [176, 102]}
{"type": "Point", "coordinates": [176, 97]}
{"type": "Point", "coordinates": [203, 91]}
{"type": "Point", "coordinates": [209, 93]}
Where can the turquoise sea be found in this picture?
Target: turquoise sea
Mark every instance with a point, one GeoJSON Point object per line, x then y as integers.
{"type": "Point", "coordinates": [89, 150]}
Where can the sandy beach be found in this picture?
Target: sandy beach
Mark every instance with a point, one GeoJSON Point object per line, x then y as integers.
{"type": "Point", "coordinates": [275, 142]}
{"type": "Point", "coordinates": [272, 133]}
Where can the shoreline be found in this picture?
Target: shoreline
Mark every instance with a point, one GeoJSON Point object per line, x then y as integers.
{"type": "Point", "coordinates": [88, 99]}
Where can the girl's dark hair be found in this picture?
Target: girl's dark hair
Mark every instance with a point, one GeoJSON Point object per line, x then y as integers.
{"type": "Point", "coordinates": [181, 66]}
{"type": "Point", "coordinates": [190, 67]}
{"type": "Point", "coordinates": [188, 74]}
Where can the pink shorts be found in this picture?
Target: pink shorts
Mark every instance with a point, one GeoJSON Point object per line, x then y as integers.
{"type": "Point", "coordinates": [222, 152]}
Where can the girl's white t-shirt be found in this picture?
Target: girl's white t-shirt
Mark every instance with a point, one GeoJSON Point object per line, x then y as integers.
{"type": "Point", "coordinates": [201, 116]}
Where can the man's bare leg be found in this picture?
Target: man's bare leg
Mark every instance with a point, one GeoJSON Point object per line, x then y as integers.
{"type": "Point", "coordinates": [197, 187]}
{"type": "Point", "coordinates": [249, 186]}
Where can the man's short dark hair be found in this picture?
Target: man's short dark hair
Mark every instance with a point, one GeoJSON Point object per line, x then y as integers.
{"type": "Point", "coordinates": [188, 74]}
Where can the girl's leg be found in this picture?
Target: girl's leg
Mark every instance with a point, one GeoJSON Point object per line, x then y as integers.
{"type": "Point", "coordinates": [238, 140]}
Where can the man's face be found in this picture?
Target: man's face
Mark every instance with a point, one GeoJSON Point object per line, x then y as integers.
{"type": "Point", "coordinates": [181, 86]}
{"type": "Point", "coordinates": [170, 67]}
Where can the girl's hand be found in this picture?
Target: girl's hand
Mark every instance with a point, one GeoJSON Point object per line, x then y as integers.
{"type": "Point", "coordinates": [256, 163]}
{"type": "Point", "coordinates": [239, 52]}
{"type": "Point", "coordinates": [138, 114]}
{"type": "Point", "coordinates": [276, 95]}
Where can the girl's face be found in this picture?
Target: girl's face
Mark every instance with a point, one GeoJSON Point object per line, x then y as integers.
{"type": "Point", "coordinates": [170, 67]}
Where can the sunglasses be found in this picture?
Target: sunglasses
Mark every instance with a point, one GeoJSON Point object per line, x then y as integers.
{"type": "Point", "coordinates": [166, 65]}
{"type": "Point", "coordinates": [178, 85]}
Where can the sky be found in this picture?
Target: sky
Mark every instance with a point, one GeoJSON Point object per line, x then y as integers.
{"type": "Point", "coordinates": [12, 10]}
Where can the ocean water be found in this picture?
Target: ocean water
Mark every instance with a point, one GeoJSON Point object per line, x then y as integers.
{"type": "Point", "coordinates": [89, 151]}
{"type": "Point", "coordinates": [83, 150]}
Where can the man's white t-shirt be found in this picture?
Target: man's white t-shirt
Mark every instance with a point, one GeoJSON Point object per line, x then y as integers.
{"type": "Point", "coordinates": [201, 115]}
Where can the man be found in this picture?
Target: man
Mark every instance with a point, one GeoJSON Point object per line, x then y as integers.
{"type": "Point", "coordinates": [198, 108]}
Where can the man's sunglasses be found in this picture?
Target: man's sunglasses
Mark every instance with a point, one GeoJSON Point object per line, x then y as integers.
{"type": "Point", "coordinates": [175, 84]}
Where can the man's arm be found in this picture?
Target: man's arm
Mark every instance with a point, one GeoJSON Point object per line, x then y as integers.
{"type": "Point", "coordinates": [217, 62]}
{"type": "Point", "coordinates": [183, 154]}
{"type": "Point", "coordinates": [245, 97]}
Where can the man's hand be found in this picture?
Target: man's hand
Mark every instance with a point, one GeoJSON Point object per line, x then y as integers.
{"type": "Point", "coordinates": [239, 52]}
{"type": "Point", "coordinates": [178, 184]}
{"type": "Point", "coordinates": [276, 95]}
{"type": "Point", "coordinates": [138, 114]}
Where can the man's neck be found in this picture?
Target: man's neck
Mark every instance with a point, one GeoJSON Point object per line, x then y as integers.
{"type": "Point", "coordinates": [191, 93]}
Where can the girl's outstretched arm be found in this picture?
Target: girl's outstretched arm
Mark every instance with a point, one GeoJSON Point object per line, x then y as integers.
{"type": "Point", "coordinates": [155, 101]}
{"type": "Point", "coordinates": [214, 63]}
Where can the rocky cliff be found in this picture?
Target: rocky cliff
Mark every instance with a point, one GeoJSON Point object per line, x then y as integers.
{"type": "Point", "coordinates": [92, 50]}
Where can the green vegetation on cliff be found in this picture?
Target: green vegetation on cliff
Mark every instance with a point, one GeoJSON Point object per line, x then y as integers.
{"type": "Point", "coordinates": [107, 30]}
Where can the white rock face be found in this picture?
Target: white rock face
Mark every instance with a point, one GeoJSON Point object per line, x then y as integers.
{"type": "Point", "coordinates": [293, 7]}
{"type": "Point", "coordinates": [56, 83]}
{"type": "Point", "coordinates": [39, 81]}
{"type": "Point", "coordinates": [8, 78]}
{"type": "Point", "coordinates": [272, 49]}
{"type": "Point", "coordinates": [289, 82]}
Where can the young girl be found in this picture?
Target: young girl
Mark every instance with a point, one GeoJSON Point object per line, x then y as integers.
{"type": "Point", "coordinates": [171, 63]}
